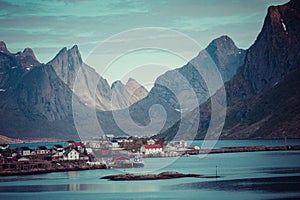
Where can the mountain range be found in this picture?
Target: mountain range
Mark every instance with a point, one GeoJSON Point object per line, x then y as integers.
{"type": "Point", "coordinates": [263, 96]}
{"type": "Point", "coordinates": [261, 83]}
{"type": "Point", "coordinates": [90, 87]}
{"type": "Point", "coordinates": [37, 99]}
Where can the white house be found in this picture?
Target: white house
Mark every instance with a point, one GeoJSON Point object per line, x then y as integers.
{"type": "Point", "coordinates": [4, 146]}
{"type": "Point", "coordinates": [114, 146]}
{"type": "Point", "coordinates": [58, 149]}
{"type": "Point", "coordinates": [42, 150]}
{"type": "Point", "coordinates": [71, 155]}
{"type": "Point", "coordinates": [151, 141]}
{"type": "Point", "coordinates": [183, 144]}
{"type": "Point", "coordinates": [25, 151]}
{"type": "Point", "coordinates": [151, 149]}
{"type": "Point", "coordinates": [89, 150]}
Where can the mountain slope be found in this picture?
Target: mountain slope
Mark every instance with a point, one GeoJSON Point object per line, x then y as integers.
{"type": "Point", "coordinates": [220, 56]}
{"type": "Point", "coordinates": [273, 60]}
{"type": "Point", "coordinates": [179, 91]}
{"type": "Point", "coordinates": [85, 82]}
{"type": "Point", "coordinates": [34, 102]}
{"type": "Point", "coordinates": [263, 97]}
{"type": "Point", "coordinates": [125, 95]}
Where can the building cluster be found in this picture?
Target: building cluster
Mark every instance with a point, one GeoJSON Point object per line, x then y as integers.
{"type": "Point", "coordinates": [143, 146]}
{"type": "Point", "coordinates": [101, 147]}
{"type": "Point", "coordinates": [70, 151]}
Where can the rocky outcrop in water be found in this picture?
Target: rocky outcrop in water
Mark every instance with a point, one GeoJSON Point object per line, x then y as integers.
{"type": "Point", "coordinates": [160, 176]}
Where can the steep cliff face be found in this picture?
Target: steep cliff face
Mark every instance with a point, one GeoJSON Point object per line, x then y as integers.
{"type": "Point", "coordinates": [34, 101]}
{"type": "Point", "coordinates": [37, 99]}
{"type": "Point", "coordinates": [83, 80]}
{"type": "Point", "coordinates": [42, 93]}
{"type": "Point", "coordinates": [12, 66]}
{"type": "Point", "coordinates": [88, 85]}
{"type": "Point", "coordinates": [227, 57]}
{"type": "Point", "coordinates": [276, 51]}
{"type": "Point", "coordinates": [181, 90]}
{"type": "Point", "coordinates": [221, 56]}
{"type": "Point", "coordinates": [269, 69]}
{"type": "Point", "coordinates": [263, 97]}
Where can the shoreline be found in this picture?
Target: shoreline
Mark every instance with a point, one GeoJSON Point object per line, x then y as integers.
{"type": "Point", "coordinates": [29, 168]}
{"type": "Point", "coordinates": [44, 171]}
{"type": "Point", "coordinates": [234, 149]}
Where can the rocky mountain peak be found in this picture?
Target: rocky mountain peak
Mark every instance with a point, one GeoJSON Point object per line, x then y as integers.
{"type": "Point", "coordinates": [117, 84]}
{"type": "Point", "coordinates": [62, 51]}
{"type": "Point", "coordinates": [26, 59]}
{"type": "Point", "coordinates": [222, 44]}
{"type": "Point", "coordinates": [29, 52]}
{"type": "Point", "coordinates": [75, 53]}
{"type": "Point", "coordinates": [131, 80]}
{"type": "Point", "coordinates": [69, 55]}
{"type": "Point", "coordinates": [75, 48]}
{"type": "Point", "coordinates": [3, 47]}
{"type": "Point", "coordinates": [132, 83]}
{"type": "Point", "coordinates": [126, 95]}
{"type": "Point", "coordinates": [226, 55]}
{"type": "Point", "coordinates": [67, 63]}
{"type": "Point", "coordinates": [276, 50]}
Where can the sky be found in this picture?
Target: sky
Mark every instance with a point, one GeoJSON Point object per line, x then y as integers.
{"type": "Point", "coordinates": [119, 31]}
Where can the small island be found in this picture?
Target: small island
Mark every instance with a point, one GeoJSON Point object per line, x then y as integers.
{"type": "Point", "coordinates": [160, 176]}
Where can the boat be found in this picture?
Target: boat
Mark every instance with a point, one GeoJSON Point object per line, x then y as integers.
{"type": "Point", "coordinates": [125, 162]}
{"type": "Point", "coordinates": [138, 162]}
{"type": "Point", "coordinates": [121, 162]}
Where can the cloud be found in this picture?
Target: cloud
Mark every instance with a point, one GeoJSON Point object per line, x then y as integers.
{"type": "Point", "coordinates": [46, 24]}
{"type": "Point", "coordinates": [209, 23]}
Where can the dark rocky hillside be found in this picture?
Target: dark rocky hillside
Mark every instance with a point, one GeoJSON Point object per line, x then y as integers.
{"type": "Point", "coordinates": [263, 97]}
{"type": "Point", "coordinates": [34, 102]}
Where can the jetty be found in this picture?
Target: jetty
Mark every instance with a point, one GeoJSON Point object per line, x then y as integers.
{"type": "Point", "coordinates": [42, 167]}
{"type": "Point", "coordinates": [248, 149]}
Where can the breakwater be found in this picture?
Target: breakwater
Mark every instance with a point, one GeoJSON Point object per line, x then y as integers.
{"type": "Point", "coordinates": [248, 149]}
{"type": "Point", "coordinates": [42, 167]}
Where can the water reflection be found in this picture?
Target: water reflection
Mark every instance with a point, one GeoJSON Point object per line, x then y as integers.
{"type": "Point", "coordinates": [282, 170]}
{"type": "Point", "coordinates": [272, 185]}
{"type": "Point", "coordinates": [27, 178]}
{"type": "Point", "coordinates": [73, 173]}
{"type": "Point", "coordinates": [111, 188]}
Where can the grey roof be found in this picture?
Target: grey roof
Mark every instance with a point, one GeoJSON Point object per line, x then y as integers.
{"type": "Point", "coordinates": [58, 146]}
{"type": "Point", "coordinates": [25, 148]}
{"type": "Point", "coordinates": [41, 148]}
{"type": "Point", "coordinates": [68, 151]}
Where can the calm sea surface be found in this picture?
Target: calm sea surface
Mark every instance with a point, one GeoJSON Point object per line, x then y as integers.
{"type": "Point", "coordinates": [255, 175]}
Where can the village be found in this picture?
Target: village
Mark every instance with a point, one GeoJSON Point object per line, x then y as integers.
{"type": "Point", "coordinates": [143, 146]}
{"type": "Point", "coordinates": [107, 152]}
{"type": "Point", "coordinates": [98, 153]}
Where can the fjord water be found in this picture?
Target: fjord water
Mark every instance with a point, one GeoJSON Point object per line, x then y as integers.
{"type": "Point", "coordinates": [254, 175]}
